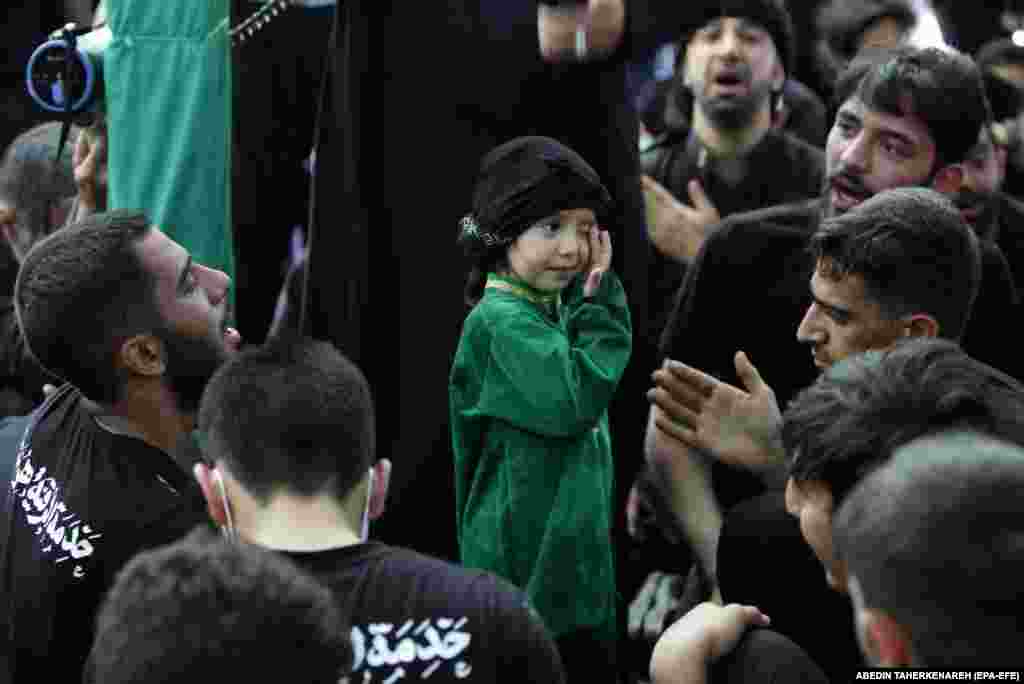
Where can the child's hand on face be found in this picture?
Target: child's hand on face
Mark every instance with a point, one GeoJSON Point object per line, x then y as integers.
{"type": "Point", "coordinates": [600, 243]}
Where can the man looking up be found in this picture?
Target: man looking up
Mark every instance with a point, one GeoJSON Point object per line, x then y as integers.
{"type": "Point", "coordinates": [136, 328]}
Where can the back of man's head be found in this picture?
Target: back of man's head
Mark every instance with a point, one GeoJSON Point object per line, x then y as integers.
{"type": "Point", "coordinates": [934, 542]}
{"type": "Point", "coordinates": [863, 408]}
{"type": "Point", "coordinates": [914, 252]}
{"type": "Point", "coordinates": [842, 24]}
{"type": "Point", "coordinates": [294, 415]}
{"type": "Point", "coordinates": [205, 609]}
{"type": "Point", "coordinates": [80, 293]}
{"type": "Point", "coordinates": [34, 182]}
{"type": "Point", "coordinates": [940, 87]}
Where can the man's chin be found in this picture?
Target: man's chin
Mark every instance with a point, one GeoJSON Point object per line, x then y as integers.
{"type": "Point", "coordinates": [730, 111]}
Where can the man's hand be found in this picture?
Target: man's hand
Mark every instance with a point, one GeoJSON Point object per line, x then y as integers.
{"type": "Point", "coordinates": [604, 22]}
{"type": "Point", "coordinates": [698, 639]}
{"type": "Point", "coordinates": [738, 427]}
{"type": "Point", "coordinates": [677, 229]}
{"type": "Point", "coordinates": [90, 164]}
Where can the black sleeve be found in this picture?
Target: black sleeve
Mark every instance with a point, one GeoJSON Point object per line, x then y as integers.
{"type": "Point", "coordinates": [529, 653]}
{"type": "Point", "coordinates": [998, 301]}
{"type": "Point", "coordinates": [697, 329]}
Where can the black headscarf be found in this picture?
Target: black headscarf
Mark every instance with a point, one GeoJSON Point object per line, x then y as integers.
{"type": "Point", "coordinates": [523, 181]}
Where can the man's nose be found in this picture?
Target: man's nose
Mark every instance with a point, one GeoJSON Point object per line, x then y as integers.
{"type": "Point", "coordinates": [729, 43]}
{"type": "Point", "coordinates": [216, 283]}
{"type": "Point", "coordinates": [809, 331]}
{"type": "Point", "coordinates": [856, 155]}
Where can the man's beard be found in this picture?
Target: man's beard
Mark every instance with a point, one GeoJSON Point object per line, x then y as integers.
{"type": "Point", "coordinates": [191, 362]}
{"type": "Point", "coordinates": [730, 112]}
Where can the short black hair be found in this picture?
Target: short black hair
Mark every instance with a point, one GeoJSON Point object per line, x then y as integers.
{"type": "Point", "coordinates": [294, 415]}
{"type": "Point", "coordinates": [913, 250]}
{"type": "Point", "coordinates": [942, 88]}
{"type": "Point", "coordinates": [80, 293]}
{"type": "Point", "coordinates": [935, 539]}
{"type": "Point", "coordinates": [864, 407]}
{"type": "Point", "coordinates": [34, 180]}
{"type": "Point", "coordinates": [182, 612]}
{"type": "Point", "coordinates": [842, 23]}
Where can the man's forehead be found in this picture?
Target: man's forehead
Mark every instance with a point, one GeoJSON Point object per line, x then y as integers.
{"type": "Point", "coordinates": [740, 22]}
{"type": "Point", "coordinates": [906, 122]}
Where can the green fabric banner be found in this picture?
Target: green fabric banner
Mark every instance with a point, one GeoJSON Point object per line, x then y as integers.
{"type": "Point", "coordinates": [168, 82]}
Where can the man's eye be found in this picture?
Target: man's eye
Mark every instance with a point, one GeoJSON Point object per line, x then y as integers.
{"type": "Point", "coordinates": [839, 317]}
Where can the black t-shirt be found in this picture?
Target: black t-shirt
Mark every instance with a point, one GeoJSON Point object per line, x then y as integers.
{"type": "Point", "coordinates": [419, 618]}
{"type": "Point", "coordinates": [81, 503]}
{"type": "Point", "coordinates": [748, 289]}
{"type": "Point", "coordinates": [780, 170]}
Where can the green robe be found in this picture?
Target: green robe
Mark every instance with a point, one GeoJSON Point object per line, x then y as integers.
{"type": "Point", "coordinates": [529, 392]}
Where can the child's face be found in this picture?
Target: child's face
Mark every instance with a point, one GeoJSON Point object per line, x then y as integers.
{"type": "Point", "coordinates": [549, 254]}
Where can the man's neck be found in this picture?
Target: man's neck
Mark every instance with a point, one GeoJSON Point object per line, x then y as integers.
{"type": "Point", "coordinates": [149, 414]}
{"type": "Point", "coordinates": [291, 523]}
{"type": "Point", "coordinates": [730, 143]}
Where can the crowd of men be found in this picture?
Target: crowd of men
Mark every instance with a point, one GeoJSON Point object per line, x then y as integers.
{"type": "Point", "coordinates": [833, 452]}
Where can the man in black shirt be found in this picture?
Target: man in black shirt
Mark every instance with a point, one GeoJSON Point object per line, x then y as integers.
{"type": "Point", "coordinates": [123, 314]}
{"type": "Point", "coordinates": [724, 157]}
{"type": "Point", "coordinates": [907, 118]}
{"type": "Point", "coordinates": [248, 612]}
{"type": "Point", "coordinates": [290, 429]}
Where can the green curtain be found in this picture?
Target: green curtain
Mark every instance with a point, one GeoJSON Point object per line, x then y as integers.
{"type": "Point", "coordinates": [168, 80]}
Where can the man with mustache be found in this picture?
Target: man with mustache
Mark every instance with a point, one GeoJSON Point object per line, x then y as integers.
{"type": "Point", "coordinates": [836, 434]}
{"type": "Point", "coordinates": [721, 153]}
{"type": "Point", "coordinates": [136, 327]}
{"type": "Point", "coordinates": [907, 118]}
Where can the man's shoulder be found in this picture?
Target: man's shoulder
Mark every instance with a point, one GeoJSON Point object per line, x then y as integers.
{"type": "Point", "coordinates": [400, 600]}
{"type": "Point", "coordinates": [457, 580]}
{"type": "Point", "coordinates": [780, 225]}
{"type": "Point", "coordinates": [412, 574]}
{"type": "Point", "coordinates": [797, 148]}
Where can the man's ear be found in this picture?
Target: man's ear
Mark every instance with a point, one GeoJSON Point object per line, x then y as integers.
{"type": "Point", "coordinates": [143, 355]}
{"type": "Point", "coordinates": [949, 179]}
{"type": "Point", "coordinates": [381, 481]}
{"type": "Point", "coordinates": [888, 640]}
{"type": "Point", "coordinates": [211, 492]}
{"type": "Point", "coordinates": [921, 325]}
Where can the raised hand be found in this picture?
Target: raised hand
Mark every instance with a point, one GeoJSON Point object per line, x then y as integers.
{"type": "Point", "coordinates": [677, 229]}
{"type": "Point", "coordinates": [739, 427]}
{"type": "Point", "coordinates": [602, 21]}
{"type": "Point", "coordinates": [90, 165]}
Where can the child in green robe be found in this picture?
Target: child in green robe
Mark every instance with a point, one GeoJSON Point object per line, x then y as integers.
{"type": "Point", "coordinates": [541, 353]}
